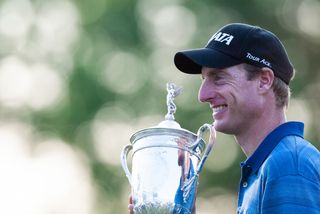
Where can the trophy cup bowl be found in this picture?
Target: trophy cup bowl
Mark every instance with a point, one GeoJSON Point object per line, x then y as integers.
{"type": "Point", "coordinates": [166, 162]}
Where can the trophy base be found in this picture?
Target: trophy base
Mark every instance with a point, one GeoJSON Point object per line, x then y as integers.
{"type": "Point", "coordinates": [160, 208]}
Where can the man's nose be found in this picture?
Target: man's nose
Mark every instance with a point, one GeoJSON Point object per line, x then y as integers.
{"type": "Point", "coordinates": [206, 92]}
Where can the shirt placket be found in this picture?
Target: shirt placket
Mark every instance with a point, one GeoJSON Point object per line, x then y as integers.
{"type": "Point", "coordinates": [245, 173]}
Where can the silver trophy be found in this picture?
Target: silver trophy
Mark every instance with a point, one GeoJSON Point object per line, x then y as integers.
{"type": "Point", "coordinates": [166, 162]}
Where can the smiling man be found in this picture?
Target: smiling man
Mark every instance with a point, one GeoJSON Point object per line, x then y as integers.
{"type": "Point", "coordinates": [245, 79]}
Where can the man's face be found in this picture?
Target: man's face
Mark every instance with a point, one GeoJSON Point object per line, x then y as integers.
{"type": "Point", "coordinates": [234, 100]}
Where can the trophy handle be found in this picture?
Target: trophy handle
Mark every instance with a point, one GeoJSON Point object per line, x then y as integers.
{"type": "Point", "coordinates": [205, 127]}
{"type": "Point", "coordinates": [123, 158]}
{"type": "Point", "coordinates": [189, 185]}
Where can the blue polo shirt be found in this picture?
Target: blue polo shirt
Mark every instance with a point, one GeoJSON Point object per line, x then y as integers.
{"type": "Point", "coordinates": [282, 175]}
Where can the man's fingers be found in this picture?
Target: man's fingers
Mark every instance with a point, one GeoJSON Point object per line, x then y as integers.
{"type": "Point", "coordinates": [130, 207]}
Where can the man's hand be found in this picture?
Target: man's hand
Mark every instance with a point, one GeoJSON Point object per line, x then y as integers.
{"type": "Point", "coordinates": [130, 206]}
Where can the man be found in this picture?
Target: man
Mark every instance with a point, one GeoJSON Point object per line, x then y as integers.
{"type": "Point", "coordinates": [245, 79]}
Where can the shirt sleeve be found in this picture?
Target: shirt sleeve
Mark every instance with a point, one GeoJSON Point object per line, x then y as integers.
{"type": "Point", "coordinates": [292, 194]}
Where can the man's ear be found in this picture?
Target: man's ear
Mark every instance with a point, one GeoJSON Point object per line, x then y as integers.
{"type": "Point", "coordinates": [265, 79]}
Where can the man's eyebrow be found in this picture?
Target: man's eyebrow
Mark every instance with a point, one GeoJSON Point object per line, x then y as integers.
{"type": "Point", "coordinates": [214, 72]}
{"type": "Point", "coordinates": [218, 72]}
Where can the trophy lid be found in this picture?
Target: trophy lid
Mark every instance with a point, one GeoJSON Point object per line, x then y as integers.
{"type": "Point", "coordinates": [169, 122]}
{"type": "Point", "coordinates": [168, 126]}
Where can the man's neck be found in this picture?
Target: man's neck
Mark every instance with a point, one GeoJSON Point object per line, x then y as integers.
{"type": "Point", "coordinates": [252, 138]}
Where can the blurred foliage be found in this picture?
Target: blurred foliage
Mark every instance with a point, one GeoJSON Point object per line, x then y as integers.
{"type": "Point", "coordinates": [118, 24]}
{"type": "Point", "coordinates": [111, 27]}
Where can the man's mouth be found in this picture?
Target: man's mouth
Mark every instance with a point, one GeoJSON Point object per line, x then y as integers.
{"type": "Point", "coordinates": [218, 108]}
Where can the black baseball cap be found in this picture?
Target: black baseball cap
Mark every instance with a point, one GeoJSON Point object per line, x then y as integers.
{"type": "Point", "coordinates": [238, 43]}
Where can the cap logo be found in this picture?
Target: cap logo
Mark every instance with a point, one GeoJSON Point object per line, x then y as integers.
{"type": "Point", "coordinates": [221, 37]}
{"type": "Point", "coordinates": [257, 59]}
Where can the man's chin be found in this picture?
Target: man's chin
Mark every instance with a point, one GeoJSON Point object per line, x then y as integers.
{"type": "Point", "coordinates": [220, 127]}
{"type": "Point", "coordinates": [217, 126]}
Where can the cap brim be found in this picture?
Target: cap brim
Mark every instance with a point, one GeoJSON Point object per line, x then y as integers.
{"type": "Point", "coordinates": [191, 61]}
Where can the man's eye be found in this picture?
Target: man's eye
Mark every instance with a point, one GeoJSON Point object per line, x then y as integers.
{"type": "Point", "coordinates": [219, 80]}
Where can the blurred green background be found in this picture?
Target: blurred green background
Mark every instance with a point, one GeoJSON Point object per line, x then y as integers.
{"type": "Point", "coordinates": [78, 78]}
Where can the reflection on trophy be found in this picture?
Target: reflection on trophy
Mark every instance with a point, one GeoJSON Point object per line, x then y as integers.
{"type": "Point", "coordinates": [166, 162]}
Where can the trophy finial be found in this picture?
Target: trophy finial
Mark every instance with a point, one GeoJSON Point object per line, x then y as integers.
{"type": "Point", "coordinates": [173, 91]}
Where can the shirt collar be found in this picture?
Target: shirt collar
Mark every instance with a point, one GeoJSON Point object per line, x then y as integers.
{"type": "Point", "coordinates": [255, 161]}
